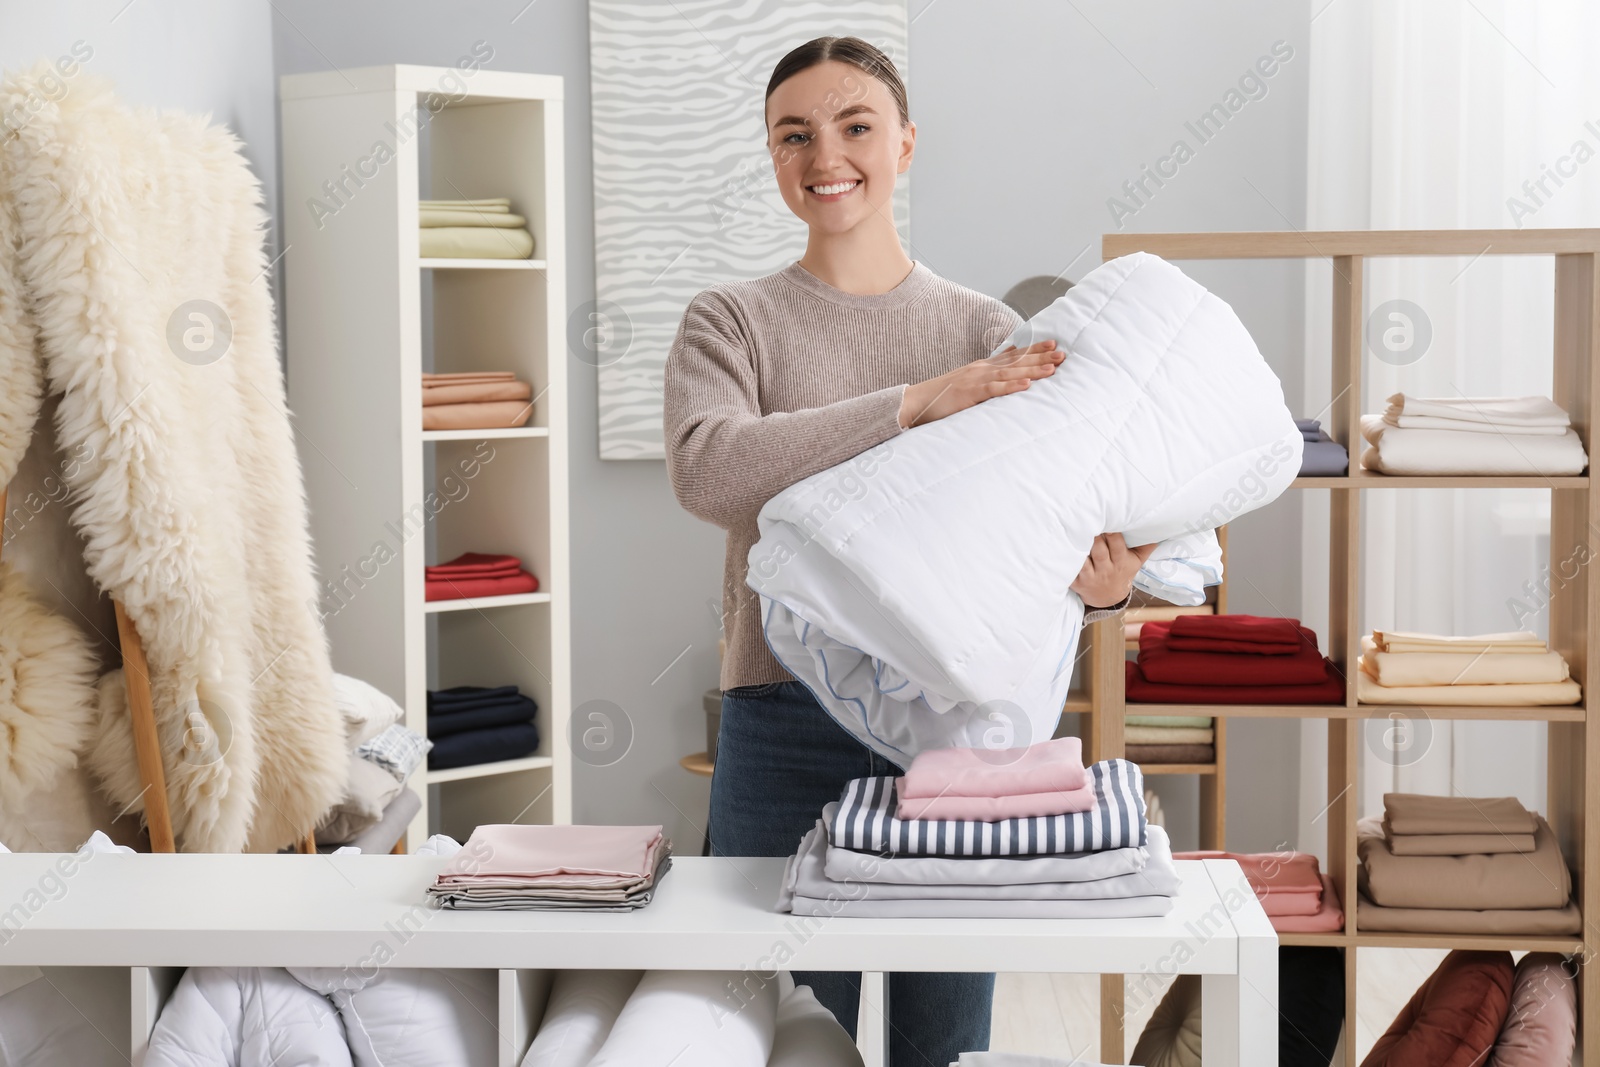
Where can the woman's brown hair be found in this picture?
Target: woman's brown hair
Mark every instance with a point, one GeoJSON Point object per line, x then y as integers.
{"type": "Point", "coordinates": [860, 54]}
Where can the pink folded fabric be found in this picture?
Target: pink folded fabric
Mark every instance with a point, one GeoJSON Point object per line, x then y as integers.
{"type": "Point", "coordinates": [510, 850]}
{"type": "Point", "coordinates": [1329, 919]}
{"type": "Point", "coordinates": [1054, 766]}
{"type": "Point", "coordinates": [474, 392]}
{"type": "Point", "coordinates": [1286, 883]}
{"type": "Point", "coordinates": [492, 415]}
{"type": "Point", "coordinates": [993, 809]}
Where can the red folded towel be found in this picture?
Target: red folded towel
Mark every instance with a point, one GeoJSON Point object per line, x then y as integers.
{"type": "Point", "coordinates": [464, 588]}
{"type": "Point", "coordinates": [475, 565]}
{"type": "Point", "coordinates": [1260, 634]}
{"type": "Point", "coordinates": [1328, 691]}
{"type": "Point", "coordinates": [1159, 662]}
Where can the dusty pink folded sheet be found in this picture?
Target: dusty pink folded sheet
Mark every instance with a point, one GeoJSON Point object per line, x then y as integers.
{"type": "Point", "coordinates": [489, 415]}
{"type": "Point", "coordinates": [1052, 766]}
{"type": "Point", "coordinates": [1328, 919]}
{"type": "Point", "coordinates": [993, 809]}
{"type": "Point", "coordinates": [474, 392]}
{"type": "Point", "coordinates": [602, 853]}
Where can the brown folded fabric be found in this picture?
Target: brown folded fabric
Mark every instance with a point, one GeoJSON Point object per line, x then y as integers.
{"type": "Point", "coordinates": [1531, 922]}
{"type": "Point", "coordinates": [1171, 753]}
{"type": "Point", "coordinates": [1419, 813]}
{"type": "Point", "coordinates": [1456, 844]}
{"type": "Point", "coordinates": [496, 415]}
{"type": "Point", "coordinates": [475, 392]}
{"type": "Point", "coordinates": [470, 376]}
{"type": "Point", "coordinates": [1505, 882]}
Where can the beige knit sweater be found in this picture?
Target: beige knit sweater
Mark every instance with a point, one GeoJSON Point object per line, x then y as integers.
{"type": "Point", "coordinates": [772, 380]}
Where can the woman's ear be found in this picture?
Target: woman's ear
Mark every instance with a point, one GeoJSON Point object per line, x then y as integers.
{"type": "Point", "coordinates": [908, 146]}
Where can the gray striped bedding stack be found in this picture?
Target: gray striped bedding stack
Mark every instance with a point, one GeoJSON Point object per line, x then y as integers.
{"type": "Point", "coordinates": [863, 858]}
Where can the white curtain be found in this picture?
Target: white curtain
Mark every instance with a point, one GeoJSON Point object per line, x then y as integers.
{"type": "Point", "coordinates": [1446, 114]}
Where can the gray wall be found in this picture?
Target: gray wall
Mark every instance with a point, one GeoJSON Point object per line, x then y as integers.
{"type": "Point", "coordinates": [1031, 115]}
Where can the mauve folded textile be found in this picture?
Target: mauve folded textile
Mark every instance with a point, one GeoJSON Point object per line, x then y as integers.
{"type": "Point", "coordinates": [1529, 922]}
{"type": "Point", "coordinates": [993, 809]}
{"type": "Point", "coordinates": [1324, 459]}
{"type": "Point", "coordinates": [1327, 920]}
{"type": "Point", "coordinates": [1425, 813]}
{"type": "Point", "coordinates": [474, 564]}
{"type": "Point", "coordinates": [491, 415]}
{"type": "Point", "coordinates": [462, 589]}
{"type": "Point", "coordinates": [1160, 663]}
{"type": "Point", "coordinates": [440, 698]}
{"type": "Point", "coordinates": [1507, 881]}
{"type": "Point", "coordinates": [1171, 753]}
{"type": "Point", "coordinates": [522, 709]}
{"type": "Point", "coordinates": [469, 376]}
{"type": "Point", "coordinates": [1139, 688]}
{"type": "Point", "coordinates": [1046, 767]}
{"type": "Point", "coordinates": [523, 851]}
{"type": "Point", "coordinates": [474, 392]}
{"type": "Point", "coordinates": [1247, 629]}
{"type": "Point", "coordinates": [484, 746]}
{"type": "Point", "coordinates": [1286, 883]}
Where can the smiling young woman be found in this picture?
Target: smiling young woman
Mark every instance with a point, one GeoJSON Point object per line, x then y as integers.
{"type": "Point", "coordinates": [773, 379]}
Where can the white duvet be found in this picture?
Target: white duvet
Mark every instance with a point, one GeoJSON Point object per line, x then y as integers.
{"type": "Point", "coordinates": [921, 590]}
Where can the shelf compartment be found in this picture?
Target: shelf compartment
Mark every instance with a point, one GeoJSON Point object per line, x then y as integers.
{"type": "Point", "coordinates": [1541, 713]}
{"type": "Point", "coordinates": [486, 770]}
{"type": "Point", "coordinates": [433, 607]}
{"type": "Point", "coordinates": [501, 434]}
{"type": "Point", "coordinates": [463, 263]}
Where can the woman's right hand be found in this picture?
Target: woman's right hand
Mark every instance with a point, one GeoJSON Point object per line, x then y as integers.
{"type": "Point", "coordinates": [1009, 371]}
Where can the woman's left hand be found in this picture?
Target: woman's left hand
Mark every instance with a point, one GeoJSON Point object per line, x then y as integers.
{"type": "Point", "coordinates": [1107, 574]}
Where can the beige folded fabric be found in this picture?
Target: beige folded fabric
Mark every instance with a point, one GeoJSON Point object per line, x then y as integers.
{"type": "Point", "coordinates": [503, 203]}
{"type": "Point", "coordinates": [1419, 814]}
{"type": "Point", "coordinates": [1169, 735]}
{"type": "Point", "coordinates": [1542, 694]}
{"type": "Point", "coordinates": [1169, 721]}
{"type": "Point", "coordinates": [475, 392]}
{"type": "Point", "coordinates": [1531, 922]}
{"type": "Point", "coordinates": [1507, 881]}
{"type": "Point", "coordinates": [1456, 844]}
{"type": "Point", "coordinates": [469, 376]}
{"type": "Point", "coordinates": [1517, 641]}
{"type": "Point", "coordinates": [495, 415]}
{"type": "Point", "coordinates": [437, 216]}
{"type": "Point", "coordinates": [474, 242]}
{"type": "Point", "coordinates": [1461, 668]}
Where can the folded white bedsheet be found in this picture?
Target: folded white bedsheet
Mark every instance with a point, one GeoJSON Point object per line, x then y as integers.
{"type": "Point", "coordinates": [1395, 450]}
{"type": "Point", "coordinates": [929, 606]}
{"type": "Point", "coordinates": [1500, 411]}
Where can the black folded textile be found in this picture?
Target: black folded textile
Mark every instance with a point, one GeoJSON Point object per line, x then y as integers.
{"type": "Point", "coordinates": [464, 697]}
{"type": "Point", "coordinates": [503, 713]}
{"type": "Point", "coordinates": [472, 747]}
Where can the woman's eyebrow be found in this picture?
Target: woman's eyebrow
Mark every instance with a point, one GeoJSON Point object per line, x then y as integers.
{"type": "Point", "coordinates": [796, 120]}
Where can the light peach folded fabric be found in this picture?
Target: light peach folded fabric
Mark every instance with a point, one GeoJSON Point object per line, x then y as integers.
{"type": "Point", "coordinates": [1518, 642]}
{"type": "Point", "coordinates": [1427, 813]}
{"type": "Point", "coordinates": [994, 809]}
{"type": "Point", "coordinates": [1047, 767]}
{"type": "Point", "coordinates": [496, 415]}
{"type": "Point", "coordinates": [1369, 691]}
{"type": "Point", "coordinates": [1461, 668]}
{"type": "Point", "coordinates": [475, 392]}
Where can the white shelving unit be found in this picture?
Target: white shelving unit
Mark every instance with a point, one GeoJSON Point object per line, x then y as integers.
{"type": "Point", "coordinates": [366, 316]}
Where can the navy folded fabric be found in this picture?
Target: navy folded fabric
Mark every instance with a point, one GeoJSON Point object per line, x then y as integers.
{"type": "Point", "coordinates": [462, 697]}
{"type": "Point", "coordinates": [505, 713]}
{"type": "Point", "coordinates": [472, 747]}
{"type": "Point", "coordinates": [474, 705]}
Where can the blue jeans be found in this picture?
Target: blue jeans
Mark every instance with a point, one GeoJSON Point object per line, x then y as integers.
{"type": "Point", "coordinates": [780, 758]}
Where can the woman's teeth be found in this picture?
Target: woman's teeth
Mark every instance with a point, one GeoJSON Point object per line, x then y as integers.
{"type": "Point", "coordinates": [830, 190]}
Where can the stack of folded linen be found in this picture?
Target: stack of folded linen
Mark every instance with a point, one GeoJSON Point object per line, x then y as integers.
{"type": "Point", "coordinates": [1320, 456]}
{"type": "Point", "coordinates": [472, 229]}
{"type": "Point", "coordinates": [472, 724]}
{"type": "Point", "coordinates": [554, 868]}
{"type": "Point", "coordinates": [1472, 435]}
{"type": "Point", "coordinates": [376, 801]}
{"type": "Point", "coordinates": [865, 857]}
{"type": "Point", "coordinates": [475, 400]}
{"type": "Point", "coordinates": [1514, 669]}
{"type": "Point", "coordinates": [477, 574]}
{"type": "Point", "coordinates": [1297, 897]}
{"type": "Point", "coordinates": [1170, 738]}
{"type": "Point", "coordinates": [1231, 659]}
{"type": "Point", "coordinates": [1467, 865]}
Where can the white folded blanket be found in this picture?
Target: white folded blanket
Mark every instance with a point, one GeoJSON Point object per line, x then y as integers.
{"type": "Point", "coordinates": [1417, 451]}
{"type": "Point", "coordinates": [930, 605]}
{"type": "Point", "coordinates": [1484, 411]}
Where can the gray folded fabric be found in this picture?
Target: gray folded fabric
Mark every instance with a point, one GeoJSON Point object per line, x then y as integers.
{"type": "Point", "coordinates": [1323, 459]}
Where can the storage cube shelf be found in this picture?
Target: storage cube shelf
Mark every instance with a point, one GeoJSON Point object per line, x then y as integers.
{"type": "Point", "coordinates": [1573, 755]}
{"type": "Point", "coordinates": [365, 313]}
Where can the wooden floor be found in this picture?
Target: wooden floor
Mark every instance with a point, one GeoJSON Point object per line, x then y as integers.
{"type": "Point", "coordinates": [1059, 1015]}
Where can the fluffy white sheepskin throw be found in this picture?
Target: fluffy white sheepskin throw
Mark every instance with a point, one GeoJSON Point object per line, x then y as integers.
{"type": "Point", "coordinates": [47, 691]}
{"type": "Point", "coordinates": [138, 231]}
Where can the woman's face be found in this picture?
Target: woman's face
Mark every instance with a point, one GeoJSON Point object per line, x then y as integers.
{"type": "Point", "coordinates": [836, 127]}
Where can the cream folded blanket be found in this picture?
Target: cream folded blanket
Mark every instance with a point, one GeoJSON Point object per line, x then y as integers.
{"type": "Point", "coordinates": [1517, 641]}
{"type": "Point", "coordinates": [1460, 668]}
{"type": "Point", "coordinates": [1368, 691]}
{"type": "Point", "coordinates": [440, 216]}
{"type": "Point", "coordinates": [1429, 422]}
{"type": "Point", "coordinates": [501, 203]}
{"type": "Point", "coordinates": [474, 242]}
{"type": "Point", "coordinates": [1169, 735]}
{"type": "Point", "coordinates": [1169, 721]}
{"type": "Point", "coordinates": [1483, 411]}
{"type": "Point", "coordinates": [1440, 452]}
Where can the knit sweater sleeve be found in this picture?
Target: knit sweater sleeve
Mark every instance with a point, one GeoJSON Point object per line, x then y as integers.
{"type": "Point", "coordinates": [724, 458]}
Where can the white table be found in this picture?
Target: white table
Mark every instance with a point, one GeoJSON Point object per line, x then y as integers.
{"type": "Point", "coordinates": [168, 911]}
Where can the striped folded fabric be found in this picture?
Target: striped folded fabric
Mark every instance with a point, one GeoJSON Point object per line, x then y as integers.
{"type": "Point", "coordinates": [866, 821]}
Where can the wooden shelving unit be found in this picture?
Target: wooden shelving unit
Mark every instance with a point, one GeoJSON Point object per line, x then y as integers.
{"type": "Point", "coordinates": [364, 309]}
{"type": "Point", "coordinates": [1573, 751]}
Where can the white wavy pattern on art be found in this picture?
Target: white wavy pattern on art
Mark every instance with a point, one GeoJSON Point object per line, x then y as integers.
{"type": "Point", "coordinates": [684, 195]}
